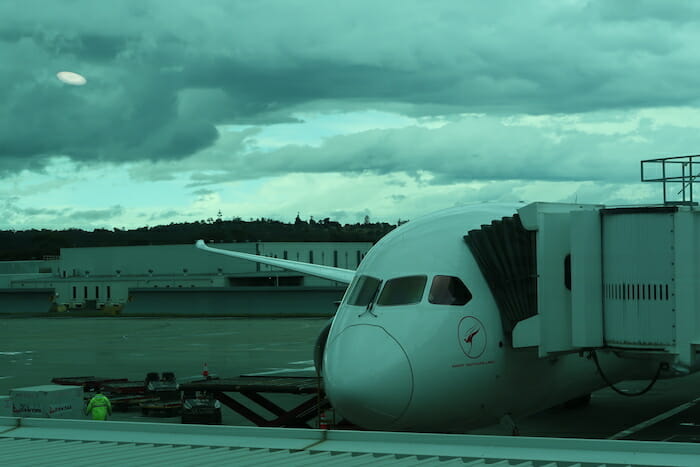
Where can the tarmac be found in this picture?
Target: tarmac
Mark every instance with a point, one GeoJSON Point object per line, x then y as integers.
{"type": "Point", "coordinates": [35, 350]}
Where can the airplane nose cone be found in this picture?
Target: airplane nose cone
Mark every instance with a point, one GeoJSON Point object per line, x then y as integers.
{"type": "Point", "coordinates": [367, 376]}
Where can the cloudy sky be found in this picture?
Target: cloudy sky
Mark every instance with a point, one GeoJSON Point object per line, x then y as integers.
{"type": "Point", "coordinates": [335, 109]}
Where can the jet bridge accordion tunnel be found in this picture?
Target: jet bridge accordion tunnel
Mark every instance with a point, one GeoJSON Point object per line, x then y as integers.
{"type": "Point", "coordinates": [572, 277]}
{"type": "Point", "coordinates": [505, 253]}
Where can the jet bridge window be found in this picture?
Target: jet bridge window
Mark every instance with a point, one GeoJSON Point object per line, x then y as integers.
{"type": "Point", "coordinates": [363, 291]}
{"type": "Point", "coordinates": [448, 290]}
{"type": "Point", "coordinates": [402, 291]}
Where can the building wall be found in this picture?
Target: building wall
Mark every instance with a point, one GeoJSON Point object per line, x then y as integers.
{"type": "Point", "coordinates": [299, 301]}
{"type": "Point", "coordinates": [186, 259]}
{"type": "Point", "coordinates": [22, 302]}
{"type": "Point", "coordinates": [108, 278]}
{"type": "Point", "coordinates": [339, 255]}
{"type": "Point", "coordinates": [149, 260]}
{"type": "Point", "coordinates": [29, 267]}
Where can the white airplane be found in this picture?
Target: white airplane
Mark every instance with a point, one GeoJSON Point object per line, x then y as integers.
{"type": "Point", "coordinates": [425, 340]}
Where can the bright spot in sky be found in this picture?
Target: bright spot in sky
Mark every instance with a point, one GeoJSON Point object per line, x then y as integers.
{"type": "Point", "coordinates": [69, 77]}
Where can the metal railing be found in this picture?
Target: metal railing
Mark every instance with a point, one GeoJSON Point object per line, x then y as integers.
{"type": "Point", "coordinates": [673, 172]}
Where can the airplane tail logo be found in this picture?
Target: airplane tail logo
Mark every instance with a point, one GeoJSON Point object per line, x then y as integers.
{"type": "Point", "coordinates": [472, 337]}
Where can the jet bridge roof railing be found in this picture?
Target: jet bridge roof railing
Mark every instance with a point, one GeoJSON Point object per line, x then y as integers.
{"type": "Point", "coordinates": [677, 175]}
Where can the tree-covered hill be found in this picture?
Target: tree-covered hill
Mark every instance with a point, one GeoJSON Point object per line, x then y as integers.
{"type": "Point", "coordinates": [36, 244]}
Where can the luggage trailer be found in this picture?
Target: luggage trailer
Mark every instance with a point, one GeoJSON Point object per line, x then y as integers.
{"type": "Point", "coordinates": [256, 389]}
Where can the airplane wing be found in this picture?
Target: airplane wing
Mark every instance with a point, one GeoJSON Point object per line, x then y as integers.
{"type": "Point", "coordinates": [324, 272]}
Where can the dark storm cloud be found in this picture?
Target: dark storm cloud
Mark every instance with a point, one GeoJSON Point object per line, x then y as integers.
{"type": "Point", "coordinates": [40, 212]}
{"type": "Point", "coordinates": [203, 192]}
{"type": "Point", "coordinates": [162, 74]}
{"type": "Point", "coordinates": [13, 212]}
{"type": "Point", "coordinates": [165, 216]}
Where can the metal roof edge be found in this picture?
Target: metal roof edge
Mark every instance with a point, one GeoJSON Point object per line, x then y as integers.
{"type": "Point", "coordinates": [341, 441]}
{"type": "Point", "coordinates": [157, 433]}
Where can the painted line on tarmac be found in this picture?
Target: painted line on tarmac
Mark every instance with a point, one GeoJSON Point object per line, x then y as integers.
{"type": "Point", "coordinates": [654, 420]}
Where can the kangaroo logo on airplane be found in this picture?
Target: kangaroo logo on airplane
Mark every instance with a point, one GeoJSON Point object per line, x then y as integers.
{"type": "Point", "coordinates": [472, 337]}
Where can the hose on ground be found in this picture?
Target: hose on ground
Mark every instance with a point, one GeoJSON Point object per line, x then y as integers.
{"type": "Point", "coordinates": [619, 391]}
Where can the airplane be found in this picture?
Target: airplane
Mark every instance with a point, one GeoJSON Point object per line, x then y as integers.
{"type": "Point", "coordinates": [427, 338]}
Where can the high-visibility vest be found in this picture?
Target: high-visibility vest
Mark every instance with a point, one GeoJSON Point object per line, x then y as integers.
{"type": "Point", "coordinates": [99, 406]}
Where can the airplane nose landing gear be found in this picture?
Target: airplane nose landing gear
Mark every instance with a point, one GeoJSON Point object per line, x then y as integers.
{"type": "Point", "coordinates": [368, 377]}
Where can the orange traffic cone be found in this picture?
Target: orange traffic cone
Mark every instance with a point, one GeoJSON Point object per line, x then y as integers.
{"type": "Point", "coordinates": [323, 421]}
{"type": "Point", "coordinates": [205, 371]}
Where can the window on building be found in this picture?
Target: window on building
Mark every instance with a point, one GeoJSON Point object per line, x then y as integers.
{"type": "Point", "coordinates": [402, 291]}
{"type": "Point", "coordinates": [285, 255]}
{"type": "Point", "coordinates": [311, 256]}
{"type": "Point", "coordinates": [85, 292]}
{"type": "Point", "coordinates": [335, 258]}
{"type": "Point", "coordinates": [97, 291]}
{"type": "Point", "coordinates": [363, 290]}
{"type": "Point", "coordinates": [286, 281]}
{"type": "Point", "coordinates": [75, 292]}
{"type": "Point", "coordinates": [109, 291]}
{"type": "Point", "coordinates": [265, 281]}
{"type": "Point", "coordinates": [448, 290]}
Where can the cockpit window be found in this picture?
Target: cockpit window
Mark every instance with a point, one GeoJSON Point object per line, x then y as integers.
{"type": "Point", "coordinates": [448, 290]}
{"type": "Point", "coordinates": [364, 291]}
{"type": "Point", "coordinates": [402, 291]}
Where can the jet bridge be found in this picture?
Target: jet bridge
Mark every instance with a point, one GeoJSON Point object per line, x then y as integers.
{"type": "Point", "coordinates": [625, 278]}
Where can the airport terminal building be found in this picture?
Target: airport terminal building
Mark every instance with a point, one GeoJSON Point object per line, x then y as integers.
{"type": "Point", "coordinates": [176, 280]}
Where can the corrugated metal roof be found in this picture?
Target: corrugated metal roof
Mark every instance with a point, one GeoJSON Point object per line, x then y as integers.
{"type": "Point", "coordinates": [83, 442]}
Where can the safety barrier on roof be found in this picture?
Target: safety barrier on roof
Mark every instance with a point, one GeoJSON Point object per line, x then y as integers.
{"type": "Point", "coordinates": [39, 442]}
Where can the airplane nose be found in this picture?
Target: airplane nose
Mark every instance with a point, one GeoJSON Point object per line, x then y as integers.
{"type": "Point", "coordinates": [367, 376]}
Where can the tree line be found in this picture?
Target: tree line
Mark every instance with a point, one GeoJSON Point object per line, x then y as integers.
{"type": "Point", "coordinates": [38, 244]}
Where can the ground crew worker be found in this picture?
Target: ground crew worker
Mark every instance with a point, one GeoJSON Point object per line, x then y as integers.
{"type": "Point", "coordinates": [99, 406]}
